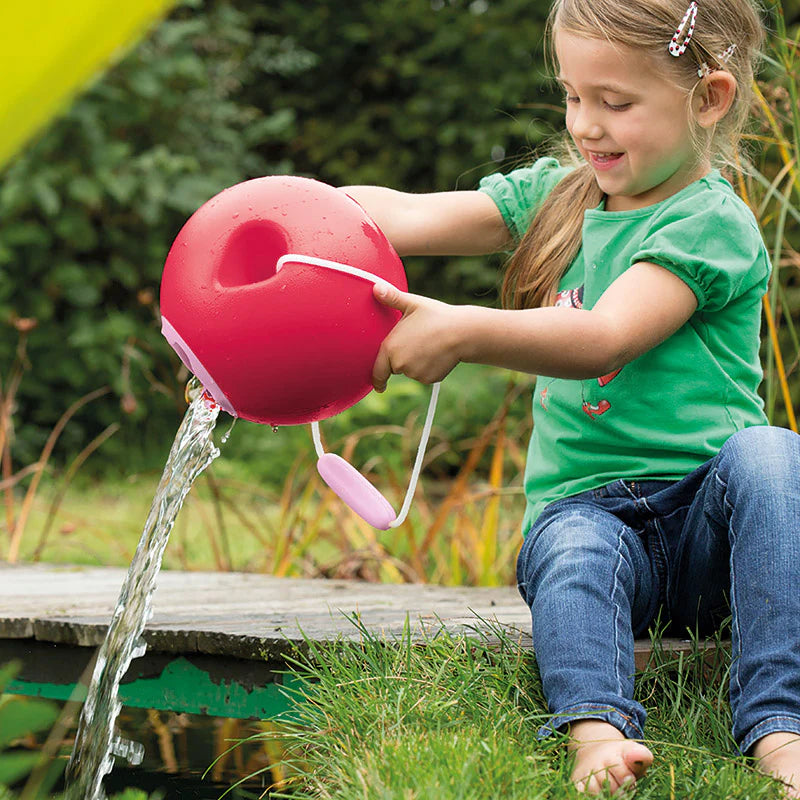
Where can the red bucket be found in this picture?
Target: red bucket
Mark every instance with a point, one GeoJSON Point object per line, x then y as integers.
{"type": "Point", "coordinates": [279, 346]}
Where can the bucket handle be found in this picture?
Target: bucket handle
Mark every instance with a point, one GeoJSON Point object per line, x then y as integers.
{"type": "Point", "coordinates": [342, 477]}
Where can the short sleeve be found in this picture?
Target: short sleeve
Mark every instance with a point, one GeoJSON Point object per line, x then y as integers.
{"type": "Point", "coordinates": [712, 242]}
{"type": "Point", "coordinates": [519, 194]}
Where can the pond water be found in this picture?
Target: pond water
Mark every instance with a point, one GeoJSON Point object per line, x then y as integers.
{"type": "Point", "coordinates": [186, 756]}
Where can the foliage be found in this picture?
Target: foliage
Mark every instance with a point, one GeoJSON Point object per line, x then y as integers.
{"type": "Point", "coordinates": [90, 208]}
{"type": "Point", "coordinates": [771, 185]}
{"type": "Point", "coordinates": [422, 96]}
{"type": "Point", "coordinates": [463, 526]}
{"type": "Point", "coordinates": [425, 96]}
{"type": "Point", "coordinates": [410, 94]}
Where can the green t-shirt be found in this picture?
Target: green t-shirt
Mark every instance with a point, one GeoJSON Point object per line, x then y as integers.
{"type": "Point", "coordinates": [670, 410]}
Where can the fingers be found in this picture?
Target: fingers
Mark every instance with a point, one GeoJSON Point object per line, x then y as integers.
{"type": "Point", "coordinates": [381, 371]}
{"type": "Point", "coordinates": [417, 345]}
{"type": "Point", "coordinates": [392, 297]}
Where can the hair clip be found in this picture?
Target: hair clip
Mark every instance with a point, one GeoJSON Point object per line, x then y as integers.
{"type": "Point", "coordinates": [704, 70]}
{"type": "Point", "coordinates": [687, 25]}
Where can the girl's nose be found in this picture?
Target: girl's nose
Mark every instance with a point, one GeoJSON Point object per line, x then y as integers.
{"type": "Point", "coordinates": [585, 125]}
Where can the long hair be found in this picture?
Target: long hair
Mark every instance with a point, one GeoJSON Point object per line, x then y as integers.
{"type": "Point", "coordinates": [728, 34]}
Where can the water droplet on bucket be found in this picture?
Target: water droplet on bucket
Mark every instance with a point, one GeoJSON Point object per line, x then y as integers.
{"type": "Point", "coordinates": [274, 428]}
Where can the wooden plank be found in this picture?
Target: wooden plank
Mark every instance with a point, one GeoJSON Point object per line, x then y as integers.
{"type": "Point", "coordinates": [252, 616]}
{"type": "Point", "coordinates": [241, 614]}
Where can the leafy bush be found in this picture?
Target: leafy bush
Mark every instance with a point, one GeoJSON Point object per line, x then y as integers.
{"type": "Point", "coordinates": [414, 94]}
{"type": "Point", "coordinates": [91, 207]}
{"type": "Point", "coordinates": [421, 95]}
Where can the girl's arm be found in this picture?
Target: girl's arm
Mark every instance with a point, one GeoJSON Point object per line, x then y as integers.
{"type": "Point", "coordinates": [640, 309]}
{"type": "Point", "coordinates": [441, 223]}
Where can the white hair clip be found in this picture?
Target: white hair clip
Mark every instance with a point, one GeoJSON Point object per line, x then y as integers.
{"type": "Point", "coordinates": [685, 29]}
{"type": "Point", "coordinates": [704, 70]}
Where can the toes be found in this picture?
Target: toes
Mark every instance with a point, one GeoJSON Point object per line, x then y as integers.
{"type": "Point", "coordinates": [611, 779]}
{"type": "Point", "coordinates": [622, 777]}
{"type": "Point", "coordinates": [637, 758]}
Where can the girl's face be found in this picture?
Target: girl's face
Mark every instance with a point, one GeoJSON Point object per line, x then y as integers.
{"type": "Point", "coordinates": [628, 121]}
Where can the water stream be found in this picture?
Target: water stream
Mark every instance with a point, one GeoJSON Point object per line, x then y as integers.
{"type": "Point", "coordinates": [95, 745]}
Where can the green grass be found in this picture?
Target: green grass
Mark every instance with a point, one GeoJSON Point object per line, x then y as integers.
{"type": "Point", "coordinates": [455, 717]}
{"type": "Point", "coordinates": [101, 523]}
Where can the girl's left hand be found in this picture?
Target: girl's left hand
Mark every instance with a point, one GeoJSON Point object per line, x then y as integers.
{"type": "Point", "coordinates": [422, 345]}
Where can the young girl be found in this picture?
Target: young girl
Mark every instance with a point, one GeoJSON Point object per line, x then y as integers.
{"type": "Point", "coordinates": [654, 485]}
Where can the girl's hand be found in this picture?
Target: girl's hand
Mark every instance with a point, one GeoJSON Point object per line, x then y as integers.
{"type": "Point", "coordinates": [423, 344]}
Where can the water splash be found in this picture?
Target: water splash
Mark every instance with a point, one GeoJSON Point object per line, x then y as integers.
{"type": "Point", "coordinates": [95, 745]}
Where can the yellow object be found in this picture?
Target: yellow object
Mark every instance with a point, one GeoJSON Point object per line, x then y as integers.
{"type": "Point", "coordinates": [51, 49]}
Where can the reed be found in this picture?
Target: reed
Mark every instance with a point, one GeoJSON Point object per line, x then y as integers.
{"type": "Point", "coordinates": [19, 499]}
{"type": "Point", "coordinates": [770, 184]}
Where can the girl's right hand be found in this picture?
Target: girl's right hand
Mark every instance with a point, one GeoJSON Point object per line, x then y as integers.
{"type": "Point", "coordinates": [423, 345]}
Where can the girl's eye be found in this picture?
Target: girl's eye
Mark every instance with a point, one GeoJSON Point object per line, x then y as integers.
{"type": "Point", "coordinates": [572, 99]}
{"type": "Point", "coordinates": [620, 107]}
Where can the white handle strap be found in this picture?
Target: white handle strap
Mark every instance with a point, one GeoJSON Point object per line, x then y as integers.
{"type": "Point", "coordinates": [337, 266]}
{"type": "Point", "coordinates": [415, 473]}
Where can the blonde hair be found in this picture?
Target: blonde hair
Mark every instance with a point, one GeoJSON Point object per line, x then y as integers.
{"type": "Point", "coordinates": [554, 236]}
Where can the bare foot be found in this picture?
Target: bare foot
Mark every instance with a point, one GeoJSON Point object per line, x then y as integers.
{"type": "Point", "coordinates": [778, 754]}
{"type": "Point", "coordinates": [605, 758]}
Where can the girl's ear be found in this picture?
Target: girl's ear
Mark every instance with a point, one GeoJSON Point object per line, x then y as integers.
{"type": "Point", "coordinates": [714, 97]}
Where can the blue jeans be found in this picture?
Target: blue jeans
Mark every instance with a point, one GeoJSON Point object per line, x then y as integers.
{"type": "Point", "coordinates": [597, 568]}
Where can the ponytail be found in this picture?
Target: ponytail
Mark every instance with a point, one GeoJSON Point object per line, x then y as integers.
{"type": "Point", "coordinates": [551, 242]}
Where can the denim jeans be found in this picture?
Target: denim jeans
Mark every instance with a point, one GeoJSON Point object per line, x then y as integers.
{"type": "Point", "coordinates": [598, 567]}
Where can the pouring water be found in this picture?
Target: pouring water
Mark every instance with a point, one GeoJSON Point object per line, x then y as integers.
{"type": "Point", "coordinates": [95, 745]}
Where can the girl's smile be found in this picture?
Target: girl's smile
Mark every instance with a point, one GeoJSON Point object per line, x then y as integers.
{"type": "Point", "coordinates": [628, 120]}
{"type": "Point", "coordinates": [604, 161]}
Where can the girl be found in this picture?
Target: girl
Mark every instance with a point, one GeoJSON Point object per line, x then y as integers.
{"type": "Point", "coordinates": [654, 485]}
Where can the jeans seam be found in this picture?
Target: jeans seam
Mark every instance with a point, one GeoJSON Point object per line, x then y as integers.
{"type": "Point", "coordinates": [617, 666]}
{"type": "Point", "coordinates": [728, 506]}
{"type": "Point", "coordinates": [663, 573]}
{"type": "Point", "coordinates": [733, 539]}
{"type": "Point", "coordinates": [581, 711]}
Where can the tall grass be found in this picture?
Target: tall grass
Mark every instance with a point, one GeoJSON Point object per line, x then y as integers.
{"type": "Point", "coordinates": [770, 184]}
{"type": "Point", "coordinates": [456, 717]}
{"type": "Point", "coordinates": [462, 529]}
{"type": "Point", "coordinates": [19, 504]}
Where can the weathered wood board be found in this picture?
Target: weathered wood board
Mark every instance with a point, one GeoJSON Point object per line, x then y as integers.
{"type": "Point", "coordinates": [242, 614]}
{"type": "Point", "coordinates": [251, 616]}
